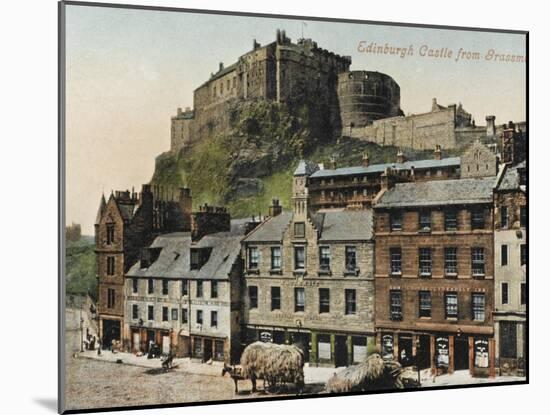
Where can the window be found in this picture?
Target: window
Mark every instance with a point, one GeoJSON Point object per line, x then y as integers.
{"type": "Point", "coordinates": [451, 262]}
{"type": "Point", "coordinates": [478, 262]}
{"type": "Point", "coordinates": [425, 221]}
{"type": "Point", "coordinates": [451, 305]}
{"type": "Point", "coordinates": [424, 304]}
{"type": "Point", "coordinates": [184, 316]}
{"type": "Point", "coordinates": [396, 221]}
{"type": "Point", "coordinates": [110, 233]}
{"type": "Point", "coordinates": [253, 257]}
{"type": "Point", "coordinates": [135, 311]}
{"type": "Point", "coordinates": [150, 286]}
{"type": "Point", "coordinates": [395, 261]}
{"type": "Point", "coordinates": [199, 289]}
{"type": "Point", "coordinates": [351, 302]}
{"type": "Point", "coordinates": [175, 314]}
{"type": "Point", "coordinates": [396, 312]}
{"type": "Point", "coordinates": [195, 259]}
{"type": "Point", "coordinates": [275, 298]}
{"type": "Point", "coordinates": [478, 219]}
{"type": "Point", "coordinates": [503, 217]}
{"type": "Point", "coordinates": [150, 313]}
{"type": "Point", "coordinates": [299, 257]}
{"type": "Point", "coordinates": [184, 288]}
{"type": "Point", "coordinates": [299, 299]}
{"type": "Point", "coordinates": [425, 262]}
{"type": "Point", "coordinates": [199, 257]}
{"type": "Point", "coordinates": [503, 255]}
{"type": "Point", "coordinates": [523, 294]}
{"type": "Point", "coordinates": [324, 300]}
{"type": "Point", "coordinates": [135, 282]}
{"type": "Point", "coordinates": [110, 298]}
{"type": "Point", "coordinates": [253, 296]}
{"type": "Point", "coordinates": [213, 319]}
{"type": "Point", "coordinates": [451, 223]}
{"type": "Point", "coordinates": [508, 339]}
{"type": "Point", "coordinates": [164, 313]}
{"type": "Point", "coordinates": [276, 257]}
{"type": "Point", "coordinates": [504, 293]}
{"type": "Point", "coordinates": [213, 289]}
{"type": "Point", "coordinates": [299, 230]}
{"type": "Point", "coordinates": [523, 216]}
{"type": "Point", "coordinates": [478, 307]}
{"type": "Point", "coordinates": [110, 265]}
{"type": "Point", "coordinates": [523, 254]}
{"type": "Point", "coordinates": [351, 258]}
{"type": "Point", "coordinates": [199, 317]}
{"type": "Point", "coordinates": [324, 258]}
{"type": "Point", "coordinates": [164, 287]}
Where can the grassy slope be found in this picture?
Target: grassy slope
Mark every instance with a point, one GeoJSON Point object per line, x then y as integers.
{"type": "Point", "coordinates": [80, 271]}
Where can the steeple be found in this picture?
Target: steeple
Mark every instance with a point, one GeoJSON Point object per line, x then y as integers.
{"type": "Point", "coordinates": [101, 210]}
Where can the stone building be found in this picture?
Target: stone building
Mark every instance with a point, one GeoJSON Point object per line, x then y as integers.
{"type": "Point", "coordinates": [125, 223]}
{"type": "Point", "coordinates": [435, 274]}
{"type": "Point", "coordinates": [510, 204]}
{"type": "Point", "coordinates": [184, 292]}
{"type": "Point", "coordinates": [308, 280]}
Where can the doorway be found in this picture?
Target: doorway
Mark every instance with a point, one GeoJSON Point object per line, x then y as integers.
{"type": "Point", "coordinates": [461, 355]}
{"type": "Point", "coordinates": [150, 338]}
{"type": "Point", "coordinates": [405, 350]}
{"type": "Point", "coordinates": [423, 351]}
{"type": "Point", "coordinates": [302, 341]}
{"type": "Point", "coordinates": [340, 351]}
{"type": "Point", "coordinates": [111, 331]}
{"type": "Point", "coordinates": [207, 350]}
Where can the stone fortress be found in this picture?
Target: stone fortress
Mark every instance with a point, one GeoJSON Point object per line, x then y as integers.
{"type": "Point", "coordinates": [359, 103]}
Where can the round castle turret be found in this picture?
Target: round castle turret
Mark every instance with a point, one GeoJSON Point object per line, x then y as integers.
{"type": "Point", "coordinates": [365, 96]}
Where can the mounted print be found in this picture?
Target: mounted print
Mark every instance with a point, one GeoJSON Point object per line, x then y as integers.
{"type": "Point", "coordinates": [257, 206]}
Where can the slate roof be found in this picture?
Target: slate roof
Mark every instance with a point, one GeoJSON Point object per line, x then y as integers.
{"type": "Point", "coordinates": [271, 230]}
{"type": "Point", "coordinates": [305, 168]}
{"type": "Point", "coordinates": [347, 225]}
{"type": "Point", "coordinates": [126, 210]}
{"type": "Point", "coordinates": [174, 258]}
{"type": "Point", "coordinates": [511, 179]}
{"type": "Point", "coordinates": [379, 168]}
{"type": "Point", "coordinates": [439, 192]}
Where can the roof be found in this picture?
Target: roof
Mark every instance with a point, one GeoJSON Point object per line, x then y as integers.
{"type": "Point", "coordinates": [219, 74]}
{"type": "Point", "coordinates": [511, 178]}
{"type": "Point", "coordinates": [101, 209]}
{"type": "Point", "coordinates": [379, 168]}
{"type": "Point", "coordinates": [271, 230]}
{"type": "Point", "coordinates": [347, 225]}
{"type": "Point", "coordinates": [439, 192]}
{"type": "Point", "coordinates": [305, 168]}
{"type": "Point", "coordinates": [174, 259]}
{"type": "Point", "coordinates": [126, 210]}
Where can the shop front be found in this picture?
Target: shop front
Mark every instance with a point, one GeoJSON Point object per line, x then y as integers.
{"type": "Point", "coordinates": [143, 338]}
{"type": "Point", "coordinates": [205, 348]}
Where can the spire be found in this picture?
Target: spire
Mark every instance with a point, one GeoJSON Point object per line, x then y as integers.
{"type": "Point", "coordinates": [101, 210]}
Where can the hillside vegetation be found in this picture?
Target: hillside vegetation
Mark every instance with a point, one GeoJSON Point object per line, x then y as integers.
{"type": "Point", "coordinates": [80, 268]}
{"type": "Point", "coordinates": [253, 162]}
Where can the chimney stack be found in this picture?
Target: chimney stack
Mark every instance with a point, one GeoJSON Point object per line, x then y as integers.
{"type": "Point", "coordinates": [491, 131]}
{"type": "Point", "coordinates": [332, 163]}
{"type": "Point", "coordinates": [208, 220]}
{"type": "Point", "coordinates": [437, 152]}
{"type": "Point", "coordinates": [365, 160]}
{"type": "Point", "coordinates": [400, 156]}
{"type": "Point", "coordinates": [179, 111]}
{"type": "Point", "coordinates": [221, 66]}
{"type": "Point", "coordinates": [275, 208]}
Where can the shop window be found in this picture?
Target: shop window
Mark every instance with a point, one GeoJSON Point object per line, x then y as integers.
{"type": "Point", "coordinates": [424, 304]}
{"type": "Point", "coordinates": [508, 339]}
{"type": "Point", "coordinates": [275, 298]}
{"type": "Point", "coordinates": [395, 261]}
{"type": "Point", "coordinates": [396, 310]}
{"type": "Point", "coordinates": [323, 347]}
{"type": "Point", "coordinates": [253, 296]}
{"type": "Point", "coordinates": [299, 299]}
{"type": "Point", "coordinates": [218, 350]}
{"type": "Point", "coordinates": [324, 300]}
{"type": "Point", "coordinates": [481, 352]}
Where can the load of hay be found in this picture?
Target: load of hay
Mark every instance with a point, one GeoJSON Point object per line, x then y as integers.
{"type": "Point", "coordinates": [274, 363]}
{"type": "Point", "coordinates": [373, 374]}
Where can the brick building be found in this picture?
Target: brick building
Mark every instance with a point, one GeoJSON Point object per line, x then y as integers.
{"type": "Point", "coordinates": [125, 223]}
{"type": "Point", "coordinates": [308, 279]}
{"type": "Point", "coordinates": [510, 206]}
{"type": "Point", "coordinates": [435, 274]}
{"type": "Point", "coordinates": [184, 292]}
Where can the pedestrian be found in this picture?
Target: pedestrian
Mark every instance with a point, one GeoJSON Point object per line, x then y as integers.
{"type": "Point", "coordinates": [99, 346]}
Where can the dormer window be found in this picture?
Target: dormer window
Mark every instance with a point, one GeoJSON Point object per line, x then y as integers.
{"type": "Point", "coordinates": [199, 257]}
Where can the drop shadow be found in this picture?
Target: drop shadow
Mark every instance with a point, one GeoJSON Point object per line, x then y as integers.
{"type": "Point", "coordinates": [48, 403]}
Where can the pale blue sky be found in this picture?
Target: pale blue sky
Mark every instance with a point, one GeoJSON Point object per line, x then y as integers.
{"type": "Point", "coordinates": [128, 71]}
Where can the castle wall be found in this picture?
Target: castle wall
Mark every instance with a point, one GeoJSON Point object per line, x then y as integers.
{"type": "Point", "coordinates": [419, 131]}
